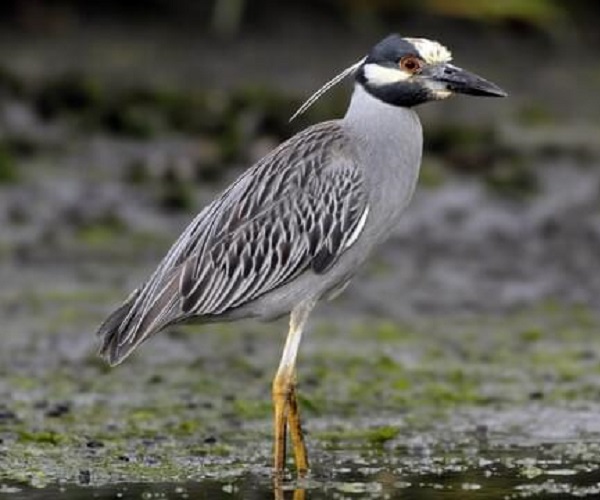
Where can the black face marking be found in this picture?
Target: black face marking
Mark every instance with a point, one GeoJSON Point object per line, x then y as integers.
{"type": "Point", "coordinates": [403, 94]}
{"type": "Point", "coordinates": [388, 53]}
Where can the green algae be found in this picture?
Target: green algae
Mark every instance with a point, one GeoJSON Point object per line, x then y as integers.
{"type": "Point", "coordinates": [209, 407]}
{"type": "Point", "coordinates": [368, 437]}
{"type": "Point", "coordinates": [9, 172]}
{"type": "Point", "coordinates": [42, 437]}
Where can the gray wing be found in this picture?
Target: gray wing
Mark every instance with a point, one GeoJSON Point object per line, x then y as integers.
{"type": "Point", "coordinates": [299, 208]}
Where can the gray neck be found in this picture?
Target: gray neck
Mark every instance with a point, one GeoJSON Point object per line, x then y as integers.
{"type": "Point", "coordinates": [382, 125]}
{"type": "Point", "coordinates": [386, 131]}
{"type": "Point", "coordinates": [389, 143]}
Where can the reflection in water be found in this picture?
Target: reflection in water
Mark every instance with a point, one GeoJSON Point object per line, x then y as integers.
{"type": "Point", "coordinates": [279, 492]}
{"type": "Point", "coordinates": [530, 478]}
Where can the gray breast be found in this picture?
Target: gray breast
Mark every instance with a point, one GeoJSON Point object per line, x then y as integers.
{"type": "Point", "coordinates": [389, 144]}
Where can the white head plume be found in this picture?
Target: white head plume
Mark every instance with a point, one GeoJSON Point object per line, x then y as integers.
{"type": "Point", "coordinates": [331, 83]}
{"type": "Point", "coordinates": [431, 51]}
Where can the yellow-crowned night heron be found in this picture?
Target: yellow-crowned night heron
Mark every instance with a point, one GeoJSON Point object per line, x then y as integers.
{"type": "Point", "coordinates": [296, 226]}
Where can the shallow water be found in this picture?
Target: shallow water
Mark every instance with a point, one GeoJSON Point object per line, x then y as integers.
{"type": "Point", "coordinates": [541, 479]}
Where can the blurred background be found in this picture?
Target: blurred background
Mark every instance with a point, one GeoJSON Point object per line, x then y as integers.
{"type": "Point", "coordinates": [120, 120]}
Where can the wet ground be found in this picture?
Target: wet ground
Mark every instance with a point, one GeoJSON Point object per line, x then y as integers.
{"type": "Point", "coordinates": [485, 407]}
{"type": "Point", "coordinates": [464, 362]}
{"type": "Point", "coordinates": [371, 480]}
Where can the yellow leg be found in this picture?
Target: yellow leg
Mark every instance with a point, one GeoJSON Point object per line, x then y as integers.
{"type": "Point", "coordinates": [299, 494]}
{"type": "Point", "coordinates": [296, 432]}
{"type": "Point", "coordinates": [278, 493]}
{"type": "Point", "coordinates": [278, 488]}
{"type": "Point", "coordinates": [285, 404]}
{"type": "Point", "coordinates": [280, 416]}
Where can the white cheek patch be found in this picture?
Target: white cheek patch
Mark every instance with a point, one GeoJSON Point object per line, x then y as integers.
{"type": "Point", "coordinates": [437, 89]}
{"type": "Point", "coordinates": [380, 75]}
{"type": "Point", "coordinates": [430, 51]}
{"type": "Point", "coordinates": [441, 94]}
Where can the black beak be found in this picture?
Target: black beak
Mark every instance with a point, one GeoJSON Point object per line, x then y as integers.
{"type": "Point", "coordinates": [463, 82]}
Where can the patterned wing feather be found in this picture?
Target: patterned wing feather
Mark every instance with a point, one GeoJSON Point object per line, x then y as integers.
{"type": "Point", "coordinates": [297, 209]}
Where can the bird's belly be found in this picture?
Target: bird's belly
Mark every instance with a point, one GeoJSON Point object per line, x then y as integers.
{"type": "Point", "coordinates": [308, 286]}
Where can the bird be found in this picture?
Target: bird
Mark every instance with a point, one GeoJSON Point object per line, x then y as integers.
{"type": "Point", "coordinates": [296, 226]}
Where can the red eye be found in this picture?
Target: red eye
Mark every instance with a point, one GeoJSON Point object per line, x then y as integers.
{"type": "Point", "coordinates": [411, 64]}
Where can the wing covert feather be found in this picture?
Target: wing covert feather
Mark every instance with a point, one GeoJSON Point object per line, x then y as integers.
{"type": "Point", "coordinates": [296, 209]}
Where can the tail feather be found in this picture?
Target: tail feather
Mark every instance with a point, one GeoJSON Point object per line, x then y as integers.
{"type": "Point", "coordinates": [110, 333]}
{"type": "Point", "coordinates": [131, 324]}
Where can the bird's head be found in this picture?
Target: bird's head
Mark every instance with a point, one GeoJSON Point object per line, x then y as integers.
{"type": "Point", "coordinates": [410, 71]}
